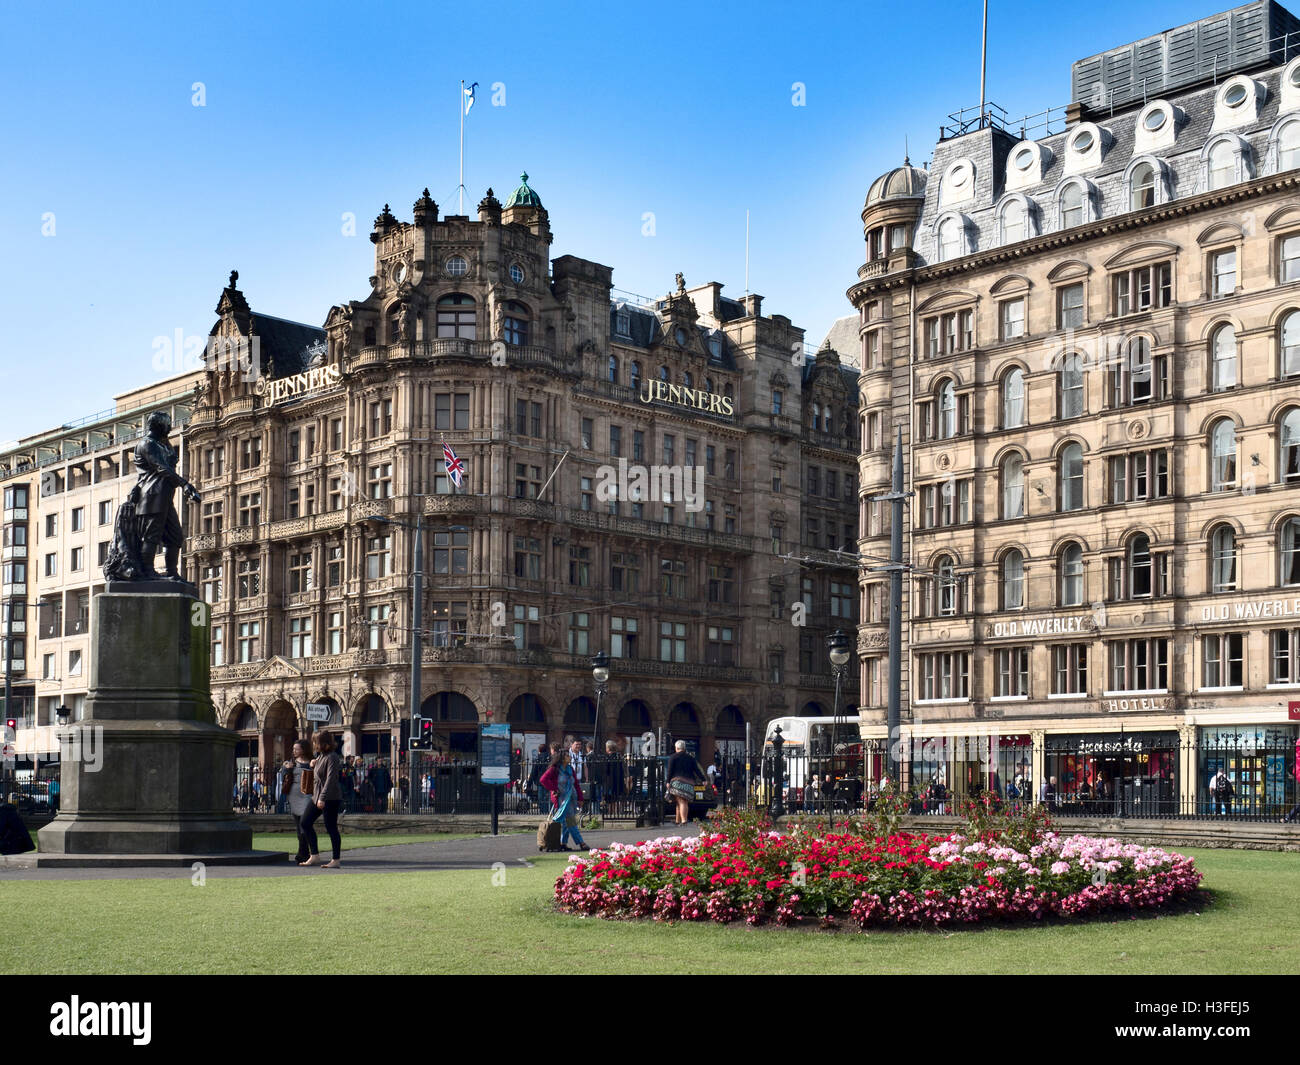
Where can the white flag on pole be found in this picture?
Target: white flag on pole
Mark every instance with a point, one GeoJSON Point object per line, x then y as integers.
{"type": "Point", "coordinates": [469, 96]}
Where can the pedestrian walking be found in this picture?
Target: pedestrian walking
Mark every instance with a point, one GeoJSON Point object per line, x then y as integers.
{"type": "Point", "coordinates": [298, 798]}
{"type": "Point", "coordinates": [54, 795]}
{"type": "Point", "coordinates": [535, 789]}
{"type": "Point", "coordinates": [1221, 790]}
{"type": "Point", "coordinates": [326, 799]}
{"type": "Point", "coordinates": [382, 782]}
{"type": "Point", "coordinates": [561, 780]}
{"type": "Point", "coordinates": [683, 772]}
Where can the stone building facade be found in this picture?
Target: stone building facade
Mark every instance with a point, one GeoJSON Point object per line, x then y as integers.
{"type": "Point", "coordinates": [62, 489]}
{"type": "Point", "coordinates": [1090, 345]}
{"type": "Point", "coordinates": [636, 481]}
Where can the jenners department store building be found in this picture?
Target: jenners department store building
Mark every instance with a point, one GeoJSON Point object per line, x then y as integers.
{"type": "Point", "coordinates": [582, 418]}
{"type": "Point", "coordinates": [1090, 342]}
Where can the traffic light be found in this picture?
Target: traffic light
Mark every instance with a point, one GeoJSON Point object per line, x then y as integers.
{"type": "Point", "coordinates": [11, 727]}
{"type": "Point", "coordinates": [422, 738]}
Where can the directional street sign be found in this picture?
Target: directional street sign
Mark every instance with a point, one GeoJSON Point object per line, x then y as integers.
{"type": "Point", "coordinates": [318, 712]}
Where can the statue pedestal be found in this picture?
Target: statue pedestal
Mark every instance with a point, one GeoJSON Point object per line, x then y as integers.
{"type": "Point", "coordinates": [147, 771]}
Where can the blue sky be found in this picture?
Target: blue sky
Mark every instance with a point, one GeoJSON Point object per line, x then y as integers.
{"type": "Point", "coordinates": [311, 111]}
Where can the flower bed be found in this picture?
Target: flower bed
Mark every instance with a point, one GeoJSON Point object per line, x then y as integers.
{"type": "Point", "coordinates": [899, 880]}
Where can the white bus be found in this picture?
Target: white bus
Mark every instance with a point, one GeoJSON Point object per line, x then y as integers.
{"type": "Point", "coordinates": [807, 748]}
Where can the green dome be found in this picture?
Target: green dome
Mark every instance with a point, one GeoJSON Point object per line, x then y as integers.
{"type": "Point", "coordinates": [524, 196]}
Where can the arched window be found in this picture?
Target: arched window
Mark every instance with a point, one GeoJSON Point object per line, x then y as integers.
{"type": "Point", "coordinates": [946, 585]}
{"type": "Point", "coordinates": [708, 385]}
{"type": "Point", "coordinates": [457, 316]}
{"type": "Point", "coordinates": [634, 375]}
{"type": "Point", "coordinates": [826, 418]}
{"type": "Point", "coordinates": [1013, 486]}
{"type": "Point", "coordinates": [1013, 399]}
{"type": "Point", "coordinates": [1071, 477]}
{"type": "Point", "coordinates": [613, 368]}
{"type": "Point", "coordinates": [1070, 387]}
{"type": "Point", "coordinates": [1013, 580]}
{"type": "Point", "coordinates": [947, 410]}
{"type": "Point", "coordinates": [395, 323]}
{"type": "Point", "coordinates": [687, 380]}
{"type": "Point", "coordinates": [1223, 359]}
{"type": "Point", "coordinates": [1222, 166]}
{"type": "Point", "coordinates": [949, 239]}
{"type": "Point", "coordinates": [1290, 344]}
{"type": "Point", "coordinates": [729, 391]}
{"type": "Point", "coordinates": [1289, 446]}
{"type": "Point", "coordinates": [1288, 147]}
{"type": "Point", "coordinates": [1072, 205]}
{"type": "Point", "coordinates": [1014, 222]}
{"type": "Point", "coordinates": [1223, 559]}
{"type": "Point", "coordinates": [816, 415]}
{"type": "Point", "coordinates": [1142, 187]}
{"type": "Point", "coordinates": [1289, 551]}
{"type": "Point", "coordinates": [1223, 456]}
{"type": "Point", "coordinates": [1071, 570]}
{"type": "Point", "coordinates": [1139, 567]}
{"type": "Point", "coordinates": [516, 324]}
{"type": "Point", "coordinates": [664, 375]}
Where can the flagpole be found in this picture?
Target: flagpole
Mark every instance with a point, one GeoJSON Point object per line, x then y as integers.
{"type": "Point", "coordinates": [460, 189]}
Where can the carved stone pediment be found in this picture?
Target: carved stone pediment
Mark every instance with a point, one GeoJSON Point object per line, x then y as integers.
{"type": "Point", "coordinates": [277, 667]}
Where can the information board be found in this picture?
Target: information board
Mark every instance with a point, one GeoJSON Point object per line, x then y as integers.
{"type": "Point", "coordinates": [494, 754]}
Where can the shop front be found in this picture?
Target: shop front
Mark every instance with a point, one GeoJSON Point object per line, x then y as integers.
{"type": "Point", "coordinates": [958, 768]}
{"type": "Point", "coordinates": [1133, 774]}
{"type": "Point", "coordinates": [1261, 763]}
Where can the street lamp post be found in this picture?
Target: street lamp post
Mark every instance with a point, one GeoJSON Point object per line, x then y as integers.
{"type": "Point", "coordinates": [600, 674]}
{"type": "Point", "coordinates": [838, 644]}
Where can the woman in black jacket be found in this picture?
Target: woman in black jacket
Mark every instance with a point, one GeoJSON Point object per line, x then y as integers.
{"type": "Point", "coordinates": [683, 772]}
{"type": "Point", "coordinates": [327, 796]}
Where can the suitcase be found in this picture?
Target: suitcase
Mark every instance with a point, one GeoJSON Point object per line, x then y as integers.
{"type": "Point", "coordinates": [548, 835]}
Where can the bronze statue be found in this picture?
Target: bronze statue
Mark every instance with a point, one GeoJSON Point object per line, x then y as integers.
{"type": "Point", "coordinates": [147, 520]}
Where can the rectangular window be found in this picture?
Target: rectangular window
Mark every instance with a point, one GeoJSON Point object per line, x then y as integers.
{"type": "Point", "coordinates": [250, 638]}
{"type": "Point", "coordinates": [579, 633]}
{"type": "Point", "coordinates": [377, 621]}
{"type": "Point", "coordinates": [720, 650]}
{"type": "Point", "coordinates": [105, 512]}
{"type": "Point", "coordinates": [1289, 259]}
{"type": "Point", "coordinates": [588, 433]}
{"type": "Point", "coordinates": [334, 633]}
{"type": "Point", "coordinates": [722, 584]}
{"type": "Point", "coordinates": [672, 641]}
{"type": "Point", "coordinates": [616, 441]}
{"type": "Point", "coordinates": [449, 623]}
{"type": "Point", "coordinates": [1222, 660]}
{"type": "Point", "coordinates": [638, 445]}
{"type": "Point", "coordinates": [1145, 288]}
{"type": "Point", "coordinates": [218, 645]}
{"type": "Point", "coordinates": [379, 556]}
{"type": "Point", "coordinates": [528, 558]}
{"type": "Point", "coordinates": [300, 572]}
{"type": "Point", "coordinates": [250, 509]}
{"type": "Point", "coordinates": [623, 637]}
{"type": "Point", "coordinates": [300, 637]}
{"type": "Point", "coordinates": [250, 453]}
{"type": "Point", "coordinates": [579, 566]}
{"type": "Point", "coordinates": [670, 449]}
{"type": "Point", "coordinates": [842, 600]}
{"type": "Point", "coordinates": [1139, 665]}
{"type": "Point", "coordinates": [381, 418]}
{"type": "Point", "coordinates": [51, 564]}
{"type": "Point", "coordinates": [709, 459]}
{"type": "Point", "coordinates": [729, 470]}
{"type": "Point", "coordinates": [78, 518]}
{"type": "Point", "coordinates": [1138, 476]}
{"type": "Point", "coordinates": [210, 582]}
{"type": "Point", "coordinates": [1012, 672]}
{"type": "Point", "coordinates": [380, 480]}
{"type": "Point", "coordinates": [1284, 656]}
{"type": "Point", "coordinates": [528, 481]}
{"type": "Point", "coordinates": [673, 583]}
{"type": "Point", "coordinates": [334, 566]}
{"type": "Point", "coordinates": [625, 572]}
{"type": "Point", "coordinates": [336, 434]}
{"type": "Point", "coordinates": [1012, 316]}
{"type": "Point", "coordinates": [451, 552]}
{"type": "Point", "coordinates": [528, 627]}
{"type": "Point", "coordinates": [51, 525]}
{"type": "Point", "coordinates": [944, 676]}
{"type": "Point", "coordinates": [249, 572]}
{"type": "Point", "coordinates": [1069, 306]}
{"type": "Point", "coordinates": [102, 554]}
{"type": "Point", "coordinates": [78, 561]}
{"type": "Point", "coordinates": [295, 445]}
{"type": "Point", "coordinates": [1223, 273]}
{"type": "Point", "coordinates": [1070, 669]}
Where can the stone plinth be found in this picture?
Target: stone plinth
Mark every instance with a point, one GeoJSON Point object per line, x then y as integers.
{"type": "Point", "coordinates": [147, 770]}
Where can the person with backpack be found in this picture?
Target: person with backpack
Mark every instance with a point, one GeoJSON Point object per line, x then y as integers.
{"type": "Point", "coordinates": [1221, 791]}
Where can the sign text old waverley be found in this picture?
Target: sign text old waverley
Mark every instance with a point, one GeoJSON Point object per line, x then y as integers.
{"type": "Point", "coordinates": [708, 402]}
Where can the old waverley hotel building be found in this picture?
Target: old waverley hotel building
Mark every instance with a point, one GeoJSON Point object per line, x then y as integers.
{"type": "Point", "coordinates": [1089, 340]}
{"type": "Point", "coordinates": [317, 456]}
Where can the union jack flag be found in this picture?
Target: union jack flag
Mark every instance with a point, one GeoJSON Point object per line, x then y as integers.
{"type": "Point", "coordinates": [455, 468]}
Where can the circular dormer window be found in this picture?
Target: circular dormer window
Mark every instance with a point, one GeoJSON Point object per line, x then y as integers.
{"type": "Point", "coordinates": [1294, 77]}
{"type": "Point", "coordinates": [1083, 142]}
{"type": "Point", "coordinates": [1155, 120]}
{"type": "Point", "coordinates": [456, 266]}
{"type": "Point", "coordinates": [1023, 159]}
{"type": "Point", "coordinates": [681, 337]}
{"type": "Point", "coordinates": [961, 177]}
{"type": "Point", "coordinates": [516, 273]}
{"type": "Point", "coordinates": [1235, 96]}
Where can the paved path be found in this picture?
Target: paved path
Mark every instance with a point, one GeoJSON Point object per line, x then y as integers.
{"type": "Point", "coordinates": [478, 853]}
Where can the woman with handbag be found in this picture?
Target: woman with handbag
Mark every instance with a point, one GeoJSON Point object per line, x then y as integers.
{"type": "Point", "coordinates": [683, 772]}
{"type": "Point", "coordinates": [326, 796]}
{"type": "Point", "coordinates": [298, 782]}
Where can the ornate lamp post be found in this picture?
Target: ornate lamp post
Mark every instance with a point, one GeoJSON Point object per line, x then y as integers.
{"type": "Point", "coordinates": [837, 644]}
{"type": "Point", "coordinates": [600, 674]}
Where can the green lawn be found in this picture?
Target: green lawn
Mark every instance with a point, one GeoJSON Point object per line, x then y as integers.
{"type": "Point", "coordinates": [459, 922]}
{"type": "Point", "coordinates": [288, 842]}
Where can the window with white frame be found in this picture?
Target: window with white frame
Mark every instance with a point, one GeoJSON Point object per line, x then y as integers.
{"type": "Point", "coordinates": [1013, 580]}
{"type": "Point", "coordinates": [1221, 166]}
{"type": "Point", "coordinates": [1011, 317]}
{"type": "Point", "coordinates": [1144, 288]}
{"type": "Point", "coordinates": [1069, 387]}
{"type": "Point", "coordinates": [1013, 399]}
{"type": "Point", "coordinates": [1223, 273]}
{"type": "Point", "coordinates": [1069, 306]}
{"type": "Point", "coordinates": [1289, 447]}
{"type": "Point", "coordinates": [1013, 486]}
{"type": "Point", "coordinates": [1070, 669]}
{"type": "Point", "coordinates": [1139, 665]}
{"type": "Point", "coordinates": [1014, 220]}
{"type": "Point", "coordinates": [1071, 575]}
{"type": "Point", "coordinates": [945, 675]}
{"type": "Point", "coordinates": [1289, 552]}
{"type": "Point", "coordinates": [1222, 660]}
{"type": "Point", "coordinates": [1142, 186]}
{"type": "Point", "coordinates": [1289, 345]}
{"type": "Point", "coordinates": [1223, 456]}
{"type": "Point", "coordinates": [1011, 672]}
{"type": "Point", "coordinates": [1223, 559]}
{"type": "Point", "coordinates": [1289, 258]}
{"type": "Point", "coordinates": [1137, 376]}
{"type": "Point", "coordinates": [1072, 205]}
{"type": "Point", "coordinates": [1223, 359]}
{"type": "Point", "coordinates": [1070, 477]}
{"type": "Point", "coordinates": [1138, 475]}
